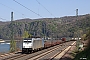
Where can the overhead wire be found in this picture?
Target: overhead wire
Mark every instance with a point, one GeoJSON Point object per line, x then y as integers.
{"type": "Point", "coordinates": [45, 8]}
{"type": "Point", "coordinates": [13, 9]}
{"type": "Point", "coordinates": [27, 8]}
{"type": "Point", "coordinates": [2, 18]}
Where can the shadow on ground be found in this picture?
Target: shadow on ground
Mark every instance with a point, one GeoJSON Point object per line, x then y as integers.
{"type": "Point", "coordinates": [65, 58]}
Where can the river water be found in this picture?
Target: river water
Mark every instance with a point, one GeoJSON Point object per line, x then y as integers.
{"type": "Point", "coordinates": [5, 47]}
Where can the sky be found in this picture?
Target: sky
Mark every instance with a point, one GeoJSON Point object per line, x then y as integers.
{"type": "Point", "coordinates": [56, 8]}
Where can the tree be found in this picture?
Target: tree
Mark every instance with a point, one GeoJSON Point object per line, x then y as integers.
{"type": "Point", "coordinates": [12, 46]}
{"type": "Point", "coordinates": [25, 35]}
{"type": "Point", "coordinates": [83, 37]}
{"type": "Point", "coordinates": [88, 38]}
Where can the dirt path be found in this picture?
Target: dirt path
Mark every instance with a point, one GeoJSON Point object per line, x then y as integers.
{"type": "Point", "coordinates": [68, 55]}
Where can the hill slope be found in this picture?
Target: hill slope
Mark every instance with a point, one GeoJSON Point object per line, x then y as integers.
{"type": "Point", "coordinates": [67, 26]}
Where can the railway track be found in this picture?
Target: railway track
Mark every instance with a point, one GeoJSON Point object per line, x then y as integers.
{"type": "Point", "coordinates": [6, 55]}
{"type": "Point", "coordinates": [15, 57]}
{"type": "Point", "coordinates": [50, 55]}
{"type": "Point", "coordinates": [40, 55]}
{"type": "Point", "coordinates": [36, 53]}
{"type": "Point", "coordinates": [9, 55]}
{"type": "Point", "coordinates": [12, 55]}
{"type": "Point", "coordinates": [59, 55]}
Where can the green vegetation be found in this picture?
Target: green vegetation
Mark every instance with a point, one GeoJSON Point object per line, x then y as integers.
{"type": "Point", "coordinates": [58, 27]}
{"type": "Point", "coordinates": [85, 53]}
{"type": "Point", "coordinates": [12, 46]}
{"type": "Point", "coordinates": [84, 37]}
{"type": "Point", "coordinates": [25, 35]}
{"type": "Point", "coordinates": [12, 42]}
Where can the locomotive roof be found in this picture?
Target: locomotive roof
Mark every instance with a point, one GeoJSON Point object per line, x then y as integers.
{"type": "Point", "coordinates": [27, 38]}
{"type": "Point", "coordinates": [31, 38]}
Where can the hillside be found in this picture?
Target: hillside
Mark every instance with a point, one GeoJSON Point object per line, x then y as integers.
{"type": "Point", "coordinates": [67, 26]}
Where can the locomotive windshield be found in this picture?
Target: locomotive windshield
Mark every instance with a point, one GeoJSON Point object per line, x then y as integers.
{"type": "Point", "coordinates": [27, 40]}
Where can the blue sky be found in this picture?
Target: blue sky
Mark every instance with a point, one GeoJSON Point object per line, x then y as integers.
{"type": "Point", "coordinates": [58, 8]}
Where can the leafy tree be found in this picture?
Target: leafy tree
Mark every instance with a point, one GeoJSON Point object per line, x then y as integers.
{"type": "Point", "coordinates": [83, 37]}
{"type": "Point", "coordinates": [12, 46]}
{"type": "Point", "coordinates": [25, 35]}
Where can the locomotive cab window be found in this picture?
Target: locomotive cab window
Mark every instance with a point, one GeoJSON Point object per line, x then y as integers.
{"type": "Point", "coordinates": [25, 41]}
{"type": "Point", "coordinates": [29, 41]}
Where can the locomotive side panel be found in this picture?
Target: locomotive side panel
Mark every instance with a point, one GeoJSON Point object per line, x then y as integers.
{"type": "Point", "coordinates": [37, 43]}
